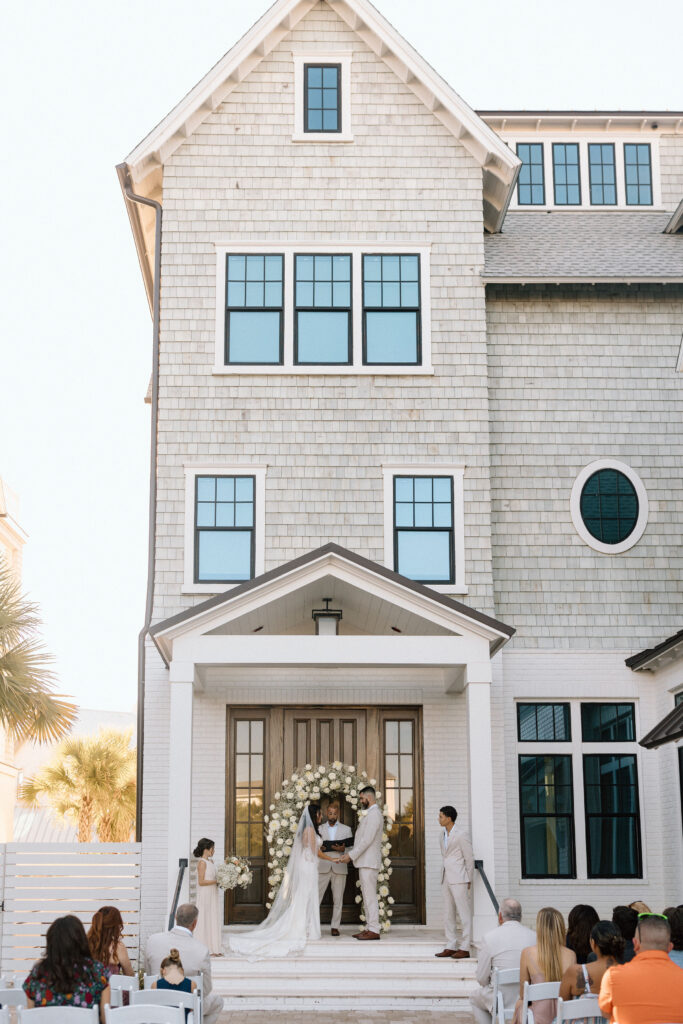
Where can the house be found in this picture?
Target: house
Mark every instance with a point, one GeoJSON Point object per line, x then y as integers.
{"type": "Point", "coordinates": [416, 478]}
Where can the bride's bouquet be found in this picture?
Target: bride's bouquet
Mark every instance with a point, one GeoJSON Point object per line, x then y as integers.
{"type": "Point", "coordinates": [234, 873]}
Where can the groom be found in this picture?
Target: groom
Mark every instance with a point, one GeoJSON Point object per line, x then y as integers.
{"type": "Point", "coordinates": [366, 854]}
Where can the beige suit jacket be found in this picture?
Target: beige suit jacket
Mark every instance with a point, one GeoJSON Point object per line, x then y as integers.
{"type": "Point", "coordinates": [367, 845]}
{"type": "Point", "coordinates": [193, 954]}
{"type": "Point", "coordinates": [325, 866]}
{"type": "Point", "coordinates": [458, 859]}
{"type": "Point", "coordinates": [502, 948]}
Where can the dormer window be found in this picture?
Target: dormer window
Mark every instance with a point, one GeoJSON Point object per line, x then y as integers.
{"type": "Point", "coordinates": [322, 98]}
{"type": "Point", "coordinates": [638, 174]}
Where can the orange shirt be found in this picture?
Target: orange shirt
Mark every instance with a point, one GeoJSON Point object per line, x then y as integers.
{"type": "Point", "coordinates": [648, 990]}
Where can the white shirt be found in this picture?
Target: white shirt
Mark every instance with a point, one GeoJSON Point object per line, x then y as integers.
{"type": "Point", "coordinates": [332, 831]}
{"type": "Point", "coordinates": [447, 835]}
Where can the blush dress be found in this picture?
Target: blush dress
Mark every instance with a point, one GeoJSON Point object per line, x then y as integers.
{"type": "Point", "coordinates": [208, 929]}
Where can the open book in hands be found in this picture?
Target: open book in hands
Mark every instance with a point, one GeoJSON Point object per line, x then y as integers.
{"type": "Point", "coordinates": [330, 845]}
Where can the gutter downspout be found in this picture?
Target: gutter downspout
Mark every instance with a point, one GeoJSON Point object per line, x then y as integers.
{"type": "Point", "coordinates": [131, 197]}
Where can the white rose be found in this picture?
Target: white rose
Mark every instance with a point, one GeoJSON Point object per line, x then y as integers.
{"type": "Point", "coordinates": [293, 827]}
{"type": "Point", "coordinates": [268, 906]}
{"type": "Point", "coordinates": [373, 782]}
{"type": "Point", "coordinates": [391, 899]}
{"type": "Point", "coordinates": [324, 783]}
{"type": "Point", "coordinates": [295, 776]}
{"type": "Point", "coordinates": [358, 899]}
{"type": "Point", "coordinates": [307, 767]}
{"type": "Point", "coordinates": [321, 768]}
{"type": "Point", "coordinates": [299, 804]}
{"type": "Point", "coordinates": [272, 807]}
{"type": "Point", "coordinates": [309, 776]}
{"type": "Point", "coordinates": [347, 780]}
{"type": "Point", "coordinates": [352, 768]}
{"type": "Point", "coordinates": [364, 774]}
{"type": "Point", "coordinates": [280, 841]}
{"type": "Point", "coordinates": [277, 796]}
{"type": "Point", "coordinates": [390, 913]}
{"type": "Point", "coordinates": [383, 891]}
{"type": "Point", "coordinates": [271, 894]}
{"type": "Point", "coordinates": [280, 853]}
{"type": "Point", "coordinates": [362, 917]}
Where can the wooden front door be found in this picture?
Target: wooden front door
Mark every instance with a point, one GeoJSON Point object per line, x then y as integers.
{"type": "Point", "coordinates": [265, 745]}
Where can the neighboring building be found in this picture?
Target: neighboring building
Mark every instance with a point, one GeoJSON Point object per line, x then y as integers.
{"type": "Point", "coordinates": [12, 540]}
{"type": "Point", "coordinates": [459, 422]}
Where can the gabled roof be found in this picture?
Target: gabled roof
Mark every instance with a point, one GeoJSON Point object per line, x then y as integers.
{"type": "Point", "coordinates": [499, 164]}
{"type": "Point", "coordinates": [328, 560]}
{"type": "Point", "coordinates": [670, 728]}
{"type": "Point", "coordinates": [676, 223]}
{"type": "Point", "coordinates": [583, 246]}
{"type": "Point", "coordinates": [655, 657]}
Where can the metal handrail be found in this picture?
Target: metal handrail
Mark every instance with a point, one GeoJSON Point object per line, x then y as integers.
{"type": "Point", "coordinates": [182, 864]}
{"type": "Point", "coordinates": [479, 865]}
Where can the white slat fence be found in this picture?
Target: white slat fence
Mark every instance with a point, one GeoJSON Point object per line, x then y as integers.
{"type": "Point", "coordinates": [42, 881]}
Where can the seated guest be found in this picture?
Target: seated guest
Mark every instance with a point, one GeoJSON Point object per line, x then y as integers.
{"type": "Point", "coordinates": [104, 940]}
{"type": "Point", "coordinates": [626, 920]}
{"type": "Point", "coordinates": [640, 907]}
{"type": "Point", "coordinates": [650, 988]}
{"type": "Point", "coordinates": [546, 961]}
{"type": "Point", "coordinates": [583, 982]}
{"type": "Point", "coordinates": [581, 920]}
{"type": "Point", "coordinates": [195, 956]}
{"type": "Point", "coordinates": [674, 916]}
{"type": "Point", "coordinates": [500, 948]}
{"type": "Point", "coordinates": [172, 977]}
{"type": "Point", "coordinates": [67, 975]}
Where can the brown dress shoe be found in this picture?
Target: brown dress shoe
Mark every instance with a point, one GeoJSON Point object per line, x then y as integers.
{"type": "Point", "coordinates": [461, 954]}
{"type": "Point", "coordinates": [334, 931]}
{"type": "Point", "coordinates": [445, 952]}
{"type": "Point", "coordinates": [366, 936]}
{"type": "Point", "coordinates": [359, 935]}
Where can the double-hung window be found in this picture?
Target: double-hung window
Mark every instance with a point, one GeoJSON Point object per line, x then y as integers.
{"type": "Point", "coordinates": [566, 174]}
{"type": "Point", "coordinates": [322, 332]}
{"type": "Point", "coordinates": [424, 545]}
{"type": "Point", "coordinates": [638, 173]}
{"type": "Point", "coordinates": [602, 173]}
{"type": "Point", "coordinates": [391, 309]}
{"type": "Point", "coordinates": [612, 815]}
{"type": "Point", "coordinates": [546, 800]}
{"type": "Point", "coordinates": [531, 182]}
{"type": "Point", "coordinates": [254, 308]}
{"type": "Point", "coordinates": [322, 98]}
{"type": "Point", "coordinates": [224, 528]}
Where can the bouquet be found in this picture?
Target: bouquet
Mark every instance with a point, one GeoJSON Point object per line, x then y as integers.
{"type": "Point", "coordinates": [234, 873]}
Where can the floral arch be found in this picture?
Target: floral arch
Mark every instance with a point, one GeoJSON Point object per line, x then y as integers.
{"type": "Point", "coordinates": [309, 784]}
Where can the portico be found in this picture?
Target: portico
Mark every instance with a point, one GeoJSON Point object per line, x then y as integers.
{"type": "Point", "coordinates": [399, 641]}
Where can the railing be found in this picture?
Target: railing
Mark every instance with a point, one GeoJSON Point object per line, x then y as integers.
{"type": "Point", "coordinates": [182, 864]}
{"type": "Point", "coordinates": [479, 865]}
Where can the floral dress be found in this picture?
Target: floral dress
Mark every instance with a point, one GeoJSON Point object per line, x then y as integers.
{"type": "Point", "coordinates": [90, 980]}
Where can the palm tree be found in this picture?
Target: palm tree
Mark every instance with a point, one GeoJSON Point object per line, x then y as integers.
{"type": "Point", "coordinates": [28, 710]}
{"type": "Point", "coordinates": [91, 782]}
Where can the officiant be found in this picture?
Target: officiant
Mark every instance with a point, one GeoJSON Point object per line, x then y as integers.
{"type": "Point", "coordinates": [330, 873]}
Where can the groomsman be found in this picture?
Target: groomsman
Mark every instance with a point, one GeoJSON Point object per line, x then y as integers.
{"type": "Point", "coordinates": [456, 883]}
{"type": "Point", "coordinates": [331, 873]}
{"type": "Point", "coordinates": [366, 854]}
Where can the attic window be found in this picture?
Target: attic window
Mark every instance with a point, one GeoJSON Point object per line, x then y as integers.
{"type": "Point", "coordinates": [322, 90]}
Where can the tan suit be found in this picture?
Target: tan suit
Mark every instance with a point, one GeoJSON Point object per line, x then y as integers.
{"type": "Point", "coordinates": [500, 948]}
{"type": "Point", "coordinates": [366, 854]}
{"type": "Point", "coordinates": [195, 959]}
{"type": "Point", "coordinates": [457, 873]}
{"type": "Point", "coordinates": [333, 874]}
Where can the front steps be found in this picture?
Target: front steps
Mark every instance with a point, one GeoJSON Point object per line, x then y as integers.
{"type": "Point", "coordinates": [400, 972]}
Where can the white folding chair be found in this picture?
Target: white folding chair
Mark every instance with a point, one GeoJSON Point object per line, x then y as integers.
{"type": "Point", "coordinates": [502, 978]}
{"type": "Point", "coordinates": [544, 990]}
{"type": "Point", "coordinates": [163, 997]}
{"type": "Point", "coordinates": [147, 1014]}
{"type": "Point", "coordinates": [12, 997]}
{"type": "Point", "coordinates": [59, 1015]}
{"type": "Point", "coordinates": [120, 983]}
{"type": "Point", "coordinates": [149, 979]}
{"type": "Point", "coordinates": [576, 1008]}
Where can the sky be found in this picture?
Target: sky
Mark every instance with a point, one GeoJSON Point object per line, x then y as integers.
{"type": "Point", "coordinates": [83, 84]}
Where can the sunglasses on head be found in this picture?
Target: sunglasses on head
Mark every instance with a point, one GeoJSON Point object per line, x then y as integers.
{"type": "Point", "coordinates": [663, 916]}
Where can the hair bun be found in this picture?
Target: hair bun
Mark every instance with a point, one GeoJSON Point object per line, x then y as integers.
{"type": "Point", "coordinates": [174, 955]}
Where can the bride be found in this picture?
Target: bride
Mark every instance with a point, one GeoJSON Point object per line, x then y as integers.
{"type": "Point", "coordinates": [294, 918]}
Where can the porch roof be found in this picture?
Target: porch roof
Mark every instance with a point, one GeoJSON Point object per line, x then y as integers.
{"type": "Point", "coordinates": [330, 559]}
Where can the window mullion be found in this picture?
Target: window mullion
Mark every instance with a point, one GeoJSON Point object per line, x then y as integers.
{"type": "Point", "coordinates": [288, 308]}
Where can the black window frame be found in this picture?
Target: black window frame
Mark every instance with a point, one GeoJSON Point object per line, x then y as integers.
{"type": "Point", "coordinates": [394, 309]}
{"type": "Point", "coordinates": [597, 473]}
{"type": "Point", "coordinates": [565, 165]}
{"type": "Point", "coordinates": [602, 184]}
{"type": "Point", "coordinates": [224, 529]}
{"type": "Point", "coordinates": [254, 309]}
{"type": "Point", "coordinates": [323, 131]}
{"type": "Point", "coordinates": [609, 704]}
{"type": "Point", "coordinates": [521, 184]}
{"type": "Point", "coordinates": [323, 309]}
{"type": "Point", "coordinates": [544, 704]}
{"type": "Point", "coordinates": [568, 815]}
{"type": "Point", "coordinates": [678, 699]}
{"type": "Point", "coordinates": [613, 814]}
{"type": "Point", "coordinates": [626, 186]}
{"type": "Point", "coordinates": [427, 529]}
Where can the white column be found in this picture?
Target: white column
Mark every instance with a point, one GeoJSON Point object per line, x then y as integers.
{"type": "Point", "coordinates": [478, 691]}
{"type": "Point", "coordinates": [181, 682]}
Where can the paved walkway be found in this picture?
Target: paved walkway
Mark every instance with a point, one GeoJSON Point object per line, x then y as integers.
{"type": "Point", "coordinates": [347, 1017]}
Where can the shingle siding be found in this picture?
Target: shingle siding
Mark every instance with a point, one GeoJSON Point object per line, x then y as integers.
{"type": "Point", "coordinates": [671, 170]}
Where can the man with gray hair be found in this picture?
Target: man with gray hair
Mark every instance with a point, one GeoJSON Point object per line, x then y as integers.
{"type": "Point", "coordinates": [193, 954]}
{"type": "Point", "coordinates": [500, 948]}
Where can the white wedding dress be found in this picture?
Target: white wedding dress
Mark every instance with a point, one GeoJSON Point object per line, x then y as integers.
{"type": "Point", "coordinates": [294, 918]}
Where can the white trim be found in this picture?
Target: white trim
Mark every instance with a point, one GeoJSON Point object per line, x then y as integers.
{"type": "Point", "coordinates": [356, 251]}
{"type": "Point", "coordinates": [457, 472]}
{"type": "Point", "coordinates": [219, 469]}
{"type": "Point", "coordinates": [342, 57]}
{"type": "Point", "coordinates": [583, 139]}
{"type": "Point", "coordinates": [575, 507]}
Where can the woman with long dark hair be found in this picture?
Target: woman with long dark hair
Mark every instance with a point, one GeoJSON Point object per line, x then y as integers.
{"type": "Point", "coordinates": [105, 942]}
{"type": "Point", "coordinates": [583, 981]}
{"type": "Point", "coordinates": [208, 928]}
{"type": "Point", "coordinates": [582, 918]}
{"type": "Point", "coordinates": [67, 975]}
